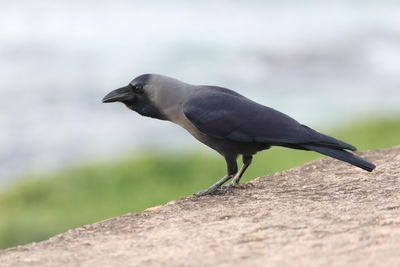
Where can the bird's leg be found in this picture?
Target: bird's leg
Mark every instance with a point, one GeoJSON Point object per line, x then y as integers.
{"type": "Point", "coordinates": [232, 169]}
{"type": "Point", "coordinates": [214, 187]}
{"type": "Point", "coordinates": [246, 163]}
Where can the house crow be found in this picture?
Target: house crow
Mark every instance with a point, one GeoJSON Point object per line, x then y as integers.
{"type": "Point", "coordinates": [227, 122]}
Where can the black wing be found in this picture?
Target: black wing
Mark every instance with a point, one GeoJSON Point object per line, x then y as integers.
{"type": "Point", "coordinates": [225, 114]}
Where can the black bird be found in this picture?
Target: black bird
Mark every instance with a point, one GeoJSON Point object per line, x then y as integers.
{"type": "Point", "coordinates": [227, 122]}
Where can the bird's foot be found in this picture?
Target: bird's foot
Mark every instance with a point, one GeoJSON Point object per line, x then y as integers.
{"type": "Point", "coordinates": [234, 185]}
{"type": "Point", "coordinates": [215, 187]}
{"type": "Point", "coordinates": [223, 189]}
{"type": "Point", "coordinates": [211, 191]}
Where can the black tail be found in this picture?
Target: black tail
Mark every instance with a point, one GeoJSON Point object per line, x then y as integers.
{"type": "Point", "coordinates": [343, 155]}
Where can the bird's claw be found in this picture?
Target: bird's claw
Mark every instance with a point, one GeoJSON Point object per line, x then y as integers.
{"type": "Point", "coordinates": [223, 189]}
{"type": "Point", "coordinates": [234, 185]}
{"type": "Point", "coordinates": [211, 191]}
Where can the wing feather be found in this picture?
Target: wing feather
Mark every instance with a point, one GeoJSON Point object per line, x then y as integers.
{"type": "Point", "coordinates": [225, 114]}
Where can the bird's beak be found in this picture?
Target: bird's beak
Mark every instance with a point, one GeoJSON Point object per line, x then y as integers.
{"type": "Point", "coordinates": [123, 94]}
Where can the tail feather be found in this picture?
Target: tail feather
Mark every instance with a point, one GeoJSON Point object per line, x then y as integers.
{"type": "Point", "coordinates": [320, 139]}
{"type": "Point", "coordinates": [343, 155]}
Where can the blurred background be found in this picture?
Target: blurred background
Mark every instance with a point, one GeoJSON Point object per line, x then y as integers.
{"type": "Point", "coordinates": [68, 160]}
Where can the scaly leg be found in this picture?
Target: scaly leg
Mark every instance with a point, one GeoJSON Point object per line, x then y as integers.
{"type": "Point", "coordinates": [232, 169]}
{"type": "Point", "coordinates": [246, 163]}
{"type": "Point", "coordinates": [214, 187]}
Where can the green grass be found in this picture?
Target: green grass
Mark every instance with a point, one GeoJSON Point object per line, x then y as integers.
{"type": "Point", "coordinates": [41, 206]}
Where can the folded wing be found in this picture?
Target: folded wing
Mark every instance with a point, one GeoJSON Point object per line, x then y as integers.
{"type": "Point", "coordinates": [224, 114]}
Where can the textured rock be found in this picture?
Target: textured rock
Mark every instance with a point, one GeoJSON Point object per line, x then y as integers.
{"type": "Point", "coordinates": [326, 213]}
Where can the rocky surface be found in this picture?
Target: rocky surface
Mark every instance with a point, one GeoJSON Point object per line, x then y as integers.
{"type": "Point", "coordinates": [326, 213]}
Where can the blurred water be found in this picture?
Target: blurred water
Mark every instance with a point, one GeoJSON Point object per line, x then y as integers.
{"type": "Point", "coordinates": [323, 63]}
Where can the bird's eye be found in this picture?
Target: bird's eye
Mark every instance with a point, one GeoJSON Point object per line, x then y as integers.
{"type": "Point", "coordinates": [138, 88]}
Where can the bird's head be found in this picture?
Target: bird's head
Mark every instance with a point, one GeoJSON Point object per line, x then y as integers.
{"type": "Point", "coordinates": [131, 95]}
{"type": "Point", "coordinates": [145, 94]}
